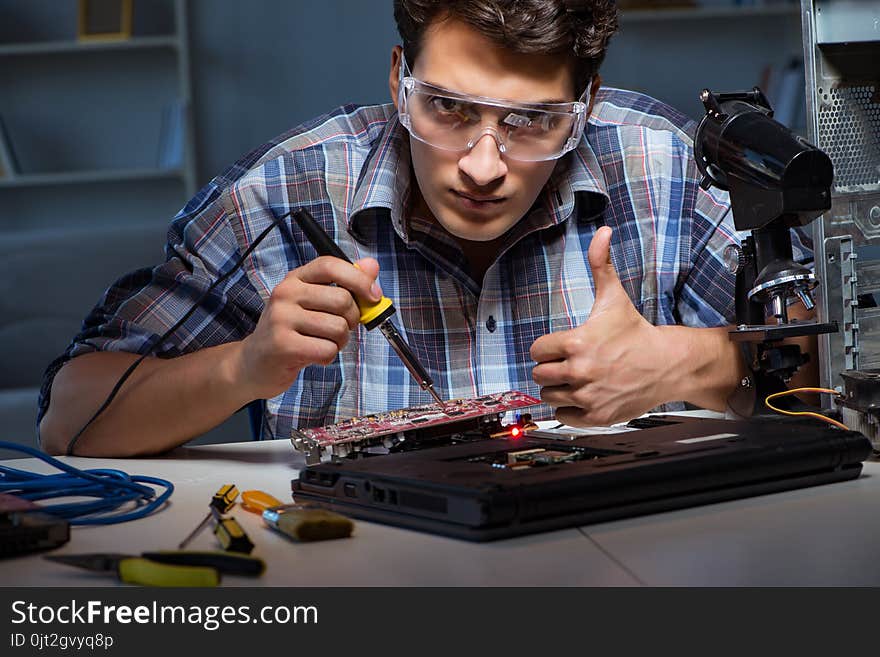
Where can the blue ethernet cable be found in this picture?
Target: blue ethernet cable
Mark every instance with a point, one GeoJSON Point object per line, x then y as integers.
{"type": "Point", "coordinates": [111, 490]}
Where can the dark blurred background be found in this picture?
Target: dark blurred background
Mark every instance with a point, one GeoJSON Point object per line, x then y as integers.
{"type": "Point", "coordinates": [106, 130]}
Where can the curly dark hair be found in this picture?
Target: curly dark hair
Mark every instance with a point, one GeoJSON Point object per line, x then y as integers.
{"type": "Point", "coordinates": [580, 27]}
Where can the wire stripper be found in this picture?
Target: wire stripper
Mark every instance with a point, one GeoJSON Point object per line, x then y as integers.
{"type": "Point", "coordinates": [138, 570]}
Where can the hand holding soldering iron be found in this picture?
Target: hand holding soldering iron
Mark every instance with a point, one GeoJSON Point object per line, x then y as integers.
{"type": "Point", "coordinates": [308, 319]}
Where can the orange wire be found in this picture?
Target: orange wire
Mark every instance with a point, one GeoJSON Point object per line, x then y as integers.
{"type": "Point", "coordinates": [818, 416]}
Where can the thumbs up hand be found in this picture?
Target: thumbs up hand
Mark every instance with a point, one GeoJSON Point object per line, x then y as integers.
{"type": "Point", "coordinates": [613, 367]}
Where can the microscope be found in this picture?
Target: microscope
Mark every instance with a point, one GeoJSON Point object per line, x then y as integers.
{"type": "Point", "coordinates": [777, 181]}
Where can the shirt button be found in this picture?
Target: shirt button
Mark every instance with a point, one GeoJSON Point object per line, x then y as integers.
{"type": "Point", "coordinates": [491, 324]}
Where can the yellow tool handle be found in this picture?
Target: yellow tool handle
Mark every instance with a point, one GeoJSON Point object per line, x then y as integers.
{"type": "Point", "coordinates": [224, 498]}
{"type": "Point", "coordinates": [304, 524]}
{"type": "Point", "coordinates": [232, 536]}
{"type": "Point", "coordinates": [374, 313]}
{"type": "Point", "coordinates": [151, 573]}
{"type": "Point", "coordinates": [258, 501]}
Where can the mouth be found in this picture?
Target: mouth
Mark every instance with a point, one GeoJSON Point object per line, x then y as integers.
{"type": "Point", "coordinates": [478, 198]}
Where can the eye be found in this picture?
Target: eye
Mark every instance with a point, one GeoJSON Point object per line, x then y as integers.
{"type": "Point", "coordinates": [452, 111]}
{"type": "Point", "coordinates": [446, 105]}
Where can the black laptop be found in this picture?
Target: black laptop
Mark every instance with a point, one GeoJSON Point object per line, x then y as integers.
{"type": "Point", "coordinates": [490, 488]}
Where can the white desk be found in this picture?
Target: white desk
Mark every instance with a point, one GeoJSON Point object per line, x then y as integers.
{"type": "Point", "coordinates": [826, 535]}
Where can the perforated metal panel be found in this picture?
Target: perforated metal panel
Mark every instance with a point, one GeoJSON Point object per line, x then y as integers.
{"type": "Point", "coordinates": [849, 131]}
{"type": "Point", "coordinates": [842, 67]}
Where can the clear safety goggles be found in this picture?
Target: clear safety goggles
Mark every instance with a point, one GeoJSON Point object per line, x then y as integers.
{"type": "Point", "coordinates": [531, 132]}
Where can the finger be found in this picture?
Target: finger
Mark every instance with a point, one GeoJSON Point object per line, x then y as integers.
{"type": "Point", "coordinates": [332, 301]}
{"type": "Point", "coordinates": [369, 266]}
{"type": "Point", "coordinates": [573, 416]}
{"type": "Point", "coordinates": [554, 373]}
{"type": "Point", "coordinates": [305, 349]}
{"type": "Point", "coordinates": [607, 283]}
{"type": "Point", "coordinates": [330, 327]}
{"type": "Point", "coordinates": [599, 255]}
{"type": "Point", "coordinates": [293, 295]}
{"type": "Point", "coordinates": [558, 396]}
{"type": "Point", "coordinates": [595, 416]}
{"type": "Point", "coordinates": [327, 269]}
{"type": "Point", "coordinates": [548, 348]}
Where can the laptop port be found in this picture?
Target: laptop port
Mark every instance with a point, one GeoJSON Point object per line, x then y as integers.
{"type": "Point", "coordinates": [325, 479]}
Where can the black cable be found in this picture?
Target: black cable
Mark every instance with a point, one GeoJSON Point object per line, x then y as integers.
{"type": "Point", "coordinates": [277, 221]}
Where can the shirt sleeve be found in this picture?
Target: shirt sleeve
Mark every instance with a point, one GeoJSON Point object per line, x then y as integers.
{"type": "Point", "coordinates": [137, 309]}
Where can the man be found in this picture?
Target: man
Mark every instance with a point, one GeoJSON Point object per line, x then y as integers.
{"type": "Point", "coordinates": [522, 251]}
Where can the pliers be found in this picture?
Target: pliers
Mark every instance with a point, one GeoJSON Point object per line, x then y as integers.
{"type": "Point", "coordinates": [171, 568]}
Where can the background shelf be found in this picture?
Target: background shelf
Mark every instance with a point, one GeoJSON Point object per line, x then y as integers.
{"type": "Point", "coordinates": [90, 177]}
{"type": "Point", "coordinates": [69, 47]}
{"type": "Point", "coordinates": [708, 13]}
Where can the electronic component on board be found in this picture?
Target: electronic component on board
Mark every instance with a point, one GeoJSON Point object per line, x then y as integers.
{"type": "Point", "coordinates": [414, 427]}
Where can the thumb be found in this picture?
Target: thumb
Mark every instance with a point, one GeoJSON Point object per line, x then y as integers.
{"type": "Point", "coordinates": [605, 278]}
{"type": "Point", "coordinates": [369, 266]}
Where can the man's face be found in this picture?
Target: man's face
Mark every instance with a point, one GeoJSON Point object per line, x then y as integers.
{"type": "Point", "coordinates": [477, 195]}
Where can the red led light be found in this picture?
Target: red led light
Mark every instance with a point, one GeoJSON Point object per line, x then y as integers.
{"type": "Point", "coordinates": [515, 432]}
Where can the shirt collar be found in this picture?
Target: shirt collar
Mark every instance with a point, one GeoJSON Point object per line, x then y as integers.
{"type": "Point", "coordinates": [384, 183]}
{"type": "Point", "coordinates": [578, 174]}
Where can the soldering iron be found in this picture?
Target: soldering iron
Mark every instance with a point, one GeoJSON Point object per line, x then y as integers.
{"type": "Point", "coordinates": [373, 315]}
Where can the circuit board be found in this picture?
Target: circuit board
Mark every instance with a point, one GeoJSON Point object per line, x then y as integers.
{"type": "Point", "coordinates": [348, 435]}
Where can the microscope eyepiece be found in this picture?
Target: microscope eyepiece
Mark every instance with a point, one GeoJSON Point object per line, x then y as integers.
{"type": "Point", "coordinates": [771, 172]}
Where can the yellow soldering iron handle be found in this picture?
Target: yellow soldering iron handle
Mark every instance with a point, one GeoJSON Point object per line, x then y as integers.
{"type": "Point", "coordinates": [372, 313]}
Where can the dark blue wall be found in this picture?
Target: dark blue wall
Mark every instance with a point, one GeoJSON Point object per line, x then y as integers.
{"type": "Point", "coordinates": [262, 67]}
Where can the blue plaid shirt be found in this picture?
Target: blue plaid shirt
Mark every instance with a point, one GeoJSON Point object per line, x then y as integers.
{"type": "Point", "coordinates": [634, 171]}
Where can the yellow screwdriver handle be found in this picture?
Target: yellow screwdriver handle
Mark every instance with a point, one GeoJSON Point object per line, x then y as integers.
{"type": "Point", "coordinates": [135, 570]}
{"type": "Point", "coordinates": [257, 501]}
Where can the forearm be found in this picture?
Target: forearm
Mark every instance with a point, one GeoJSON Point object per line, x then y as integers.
{"type": "Point", "coordinates": [706, 366]}
{"type": "Point", "coordinates": [164, 403]}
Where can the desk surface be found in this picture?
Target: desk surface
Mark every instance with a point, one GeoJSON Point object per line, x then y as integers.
{"type": "Point", "coordinates": [825, 535]}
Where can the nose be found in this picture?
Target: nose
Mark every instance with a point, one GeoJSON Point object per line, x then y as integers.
{"type": "Point", "coordinates": [483, 162]}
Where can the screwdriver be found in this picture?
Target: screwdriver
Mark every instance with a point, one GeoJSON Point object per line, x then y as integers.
{"type": "Point", "coordinates": [257, 501]}
{"type": "Point", "coordinates": [221, 502]}
{"type": "Point", "coordinates": [231, 535]}
{"type": "Point", "coordinates": [372, 314]}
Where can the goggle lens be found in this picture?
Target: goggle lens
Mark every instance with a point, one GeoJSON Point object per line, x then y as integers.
{"type": "Point", "coordinates": [452, 123]}
{"type": "Point", "coordinates": [456, 122]}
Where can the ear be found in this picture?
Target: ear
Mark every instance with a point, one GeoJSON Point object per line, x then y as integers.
{"type": "Point", "coordinates": [394, 74]}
